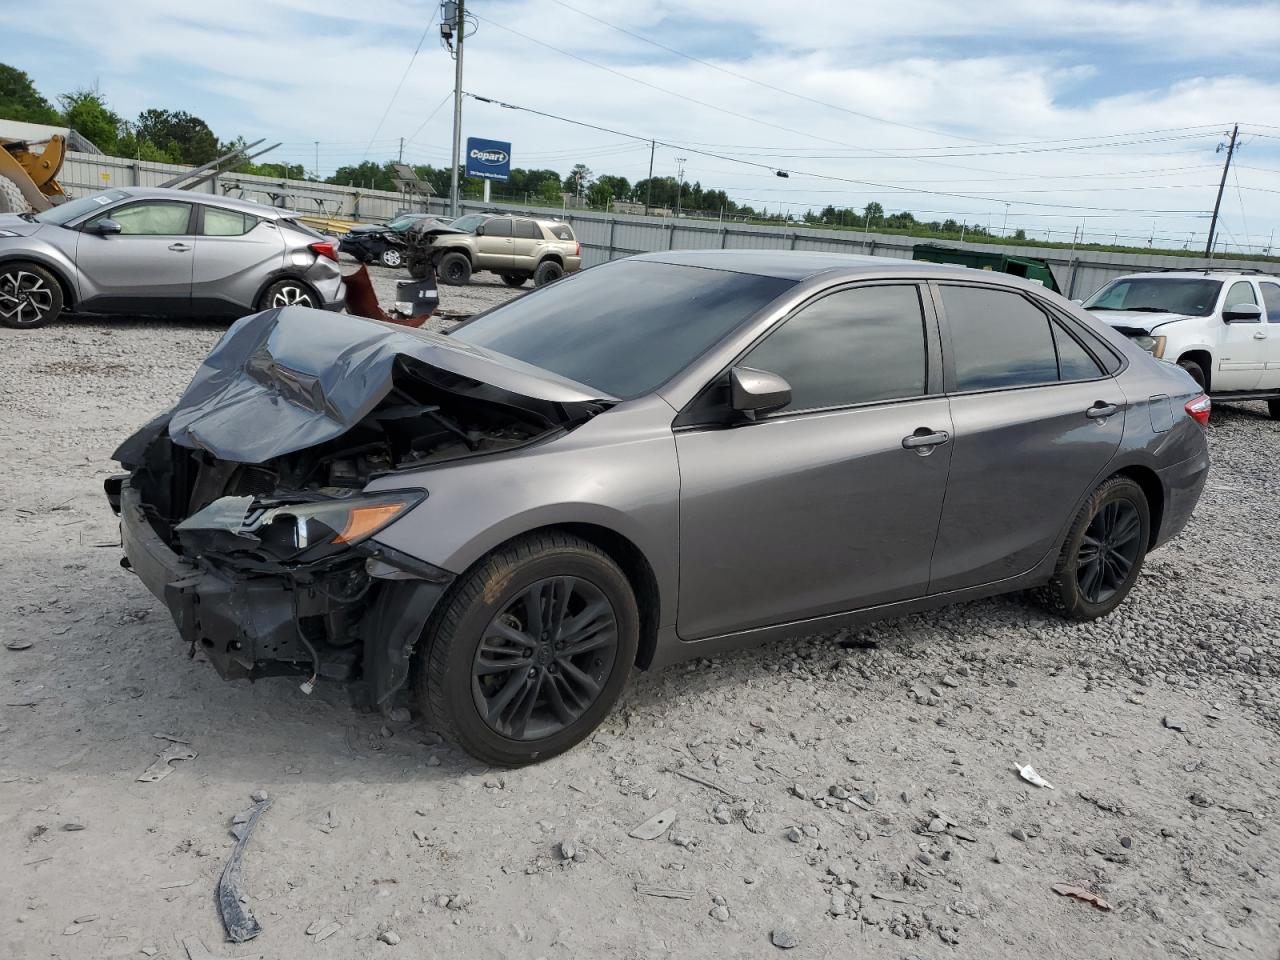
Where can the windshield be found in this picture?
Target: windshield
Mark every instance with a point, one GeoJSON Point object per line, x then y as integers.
{"type": "Point", "coordinates": [469, 222]}
{"type": "Point", "coordinates": [403, 223]}
{"type": "Point", "coordinates": [624, 327]}
{"type": "Point", "coordinates": [66, 212]}
{"type": "Point", "coordinates": [1193, 296]}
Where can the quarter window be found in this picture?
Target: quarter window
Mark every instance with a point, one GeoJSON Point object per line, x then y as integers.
{"type": "Point", "coordinates": [853, 346]}
{"type": "Point", "coordinates": [161, 218]}
{"type": "Point", "coordinates": [1074, 362]}
{"type": "Point", "coordinates": [998, 339]}
{"type": "Point", "coordinates": [561, 231]}
{"type": "Point", "coordinates": [227, 223]}
{"type": "Point", "coordinates": [1271, 297]}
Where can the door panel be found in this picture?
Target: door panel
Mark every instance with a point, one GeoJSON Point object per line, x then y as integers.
{"type": "Point", "coordinates": [527, 245]}
{"type": "Point", "coordinates": [798, 517]}
{"type": "Point", "coordinates": [1242, 347]}
{"type": "Point", "coordinates": [493, 249]}
{"type": "Point", "coordinates": [230, 268]}
{"type": "Point", "coordinates": [1021, 460]}
{"type": "Point", "coordinates": [146, 267]}
{"type": "Point", "coordinates": [1270, 379]}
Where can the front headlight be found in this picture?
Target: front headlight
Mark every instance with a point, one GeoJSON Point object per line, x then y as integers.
{"type": "Point", "coordinates": [1153, 345]}
{"type": "Point", "coordinates": [326, 526]}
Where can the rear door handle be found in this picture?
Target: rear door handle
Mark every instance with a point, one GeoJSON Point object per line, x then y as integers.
{"type": "Point", "coordinates": [1259, 335]}
{"type": "Point", "coordinates": [1100, 410]}
{"type": "Point", "coordinates": [180, 247]}
{"type": "Point", "coordinates": [922, 441]}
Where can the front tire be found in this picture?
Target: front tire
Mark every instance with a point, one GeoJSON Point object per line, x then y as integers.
{"type": "Point", "coordinates": [30, 296]}
{"type": "Point", "coordinates": [1273, 408]}
{"type": "Point", "coordinates": [531, 650]}
{"type": "Point", "coordinates": [1103, 553]}
{"type": "Point", "coordinates": [391, 257]}
{"type": "Point", "coordinates": [287, 293]}
{"type": "Point", "coordinates": [454, 269]}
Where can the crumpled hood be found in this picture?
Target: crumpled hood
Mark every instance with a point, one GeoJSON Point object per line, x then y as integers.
{"type": "Point", "coordinates": [13, 223]}
{"type": "Point", "coordinates": [293, 377]}
{"type": "Point", "coordinates": [1138, 319]}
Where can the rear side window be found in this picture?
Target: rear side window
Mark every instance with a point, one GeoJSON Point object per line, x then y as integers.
{"type": "Point", "coordinates": [1271, 297]}
{"type": "Point", "coordinates": [561, 231]}
{"type": "Point", "coordinates": [528, 230]}
{"type": "Point", "coordinates": [998, 339]}
{"type": "Point", "coordinates": [853, 346]}
{"type": "Point", "coordinates": [500, 227]}
{"type": "Point", "coordinates": [227, 223]}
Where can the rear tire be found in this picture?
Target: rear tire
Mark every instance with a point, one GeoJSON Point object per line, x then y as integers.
{"type": "Point", "coordinates": [1103, 553]}
{"type": "Point", "coordinates": [1196, 371]}
{"type": "Point", "coordinates": [514, 279]}
{"type": "Point", "coordinates": [548, 272]}
{"type": "Point", "coordinates": [418, 269]}
{"type": "Point", "coordinates": [1273, 408]}
{"type": "Point", "coordinates": [11, 198]}
{"type": "Point", "coordinates": [288, 293]}
{"type": "Point", "coordinates": [30, 296]}
{"type": "Point", "coordinates": [454, 269]}
{"type": "Point", "coordinates": [497, 673]}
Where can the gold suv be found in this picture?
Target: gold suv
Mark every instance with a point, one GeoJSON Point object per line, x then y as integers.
{"type": "Point", "coordinates": [515, 248]}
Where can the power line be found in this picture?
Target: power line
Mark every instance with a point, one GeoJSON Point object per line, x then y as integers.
{"type": "Point", "coordinates": [805, 173]}
{"type": "Point", "coordinates": [446, 99]}
{"type": "Point", "coordinates": [395, 93]}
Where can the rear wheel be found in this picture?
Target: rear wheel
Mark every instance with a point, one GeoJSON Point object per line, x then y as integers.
{"type": "Point", "coordinates": [418, 268]}
{"type": "Point", "coordinates": [1103, 552]}
{"type": "Point", "coordinates": [548, 272]}
{"type": "Point", "coordinates": [514, 279]}
{"type": "Point", "coordinates": [531, 650]}
{"type": "Point", "coordinates": [1196, 371]}
{"type": "Point", "coordinates": [30, 296]}
{"type": "Point", "coordinates": [391, 257]}
{"type": "Point", "coordinates": [1273, 408]}
{"type": "Point", "coordinates": [454, 269]}
{"type": "Point", "coordinates": [287, 293]}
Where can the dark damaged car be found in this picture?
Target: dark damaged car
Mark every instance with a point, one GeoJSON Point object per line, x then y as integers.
{"type": "Point", "coordinates": [668, 456]}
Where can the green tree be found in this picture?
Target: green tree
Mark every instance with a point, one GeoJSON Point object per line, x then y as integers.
{"type": "Point", "coordinates": [549, 192]}
{"type": "Point", "coordinates": [599, 195]}
{"type": "Point", "coordinates": [873, 214]}
{"type": "Point", "coordinates": [19, 99]}
{"type": "Point", "coordinates": [579, 178]}
{"type": "Point", "coordinates": [1019, 234]}
{"type": "Point", "coordinates": [375, 176]}
{"type": "Point", "coordinates": [86, 111]}
{"type": "Point", "coordinates": [179, 132]}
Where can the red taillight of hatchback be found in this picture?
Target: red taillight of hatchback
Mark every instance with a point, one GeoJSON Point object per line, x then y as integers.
{"type": "Point", "coordinates": [323, 249]}
{"type": "Point", "coordinates": [1198, 409]}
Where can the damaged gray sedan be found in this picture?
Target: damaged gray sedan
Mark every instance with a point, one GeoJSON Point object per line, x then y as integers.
{"type": "Point", "coordinates": [663, 457]}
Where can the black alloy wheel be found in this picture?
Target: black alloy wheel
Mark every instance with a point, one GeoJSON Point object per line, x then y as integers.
{"type": "Point", "coordinates": [1110, 547]}
{"type": "Point", "coordinates": [544, 659]}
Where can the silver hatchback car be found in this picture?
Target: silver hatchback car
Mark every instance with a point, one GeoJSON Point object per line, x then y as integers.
{"type": "Point", "coordinates": [155, 252]}
{"type": "Point", "coordinates": [663, 457]}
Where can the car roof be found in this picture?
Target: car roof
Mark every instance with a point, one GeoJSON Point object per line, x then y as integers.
{"type": "Point", "coordinates": [228, 203]}
{"type": "Point", "coordinates": [1200, 274]}
{"type": "Point", "coordinates": [801, 264]}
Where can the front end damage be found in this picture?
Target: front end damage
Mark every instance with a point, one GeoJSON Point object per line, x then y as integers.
{"type": "Point", "coordinates": [244, 508]}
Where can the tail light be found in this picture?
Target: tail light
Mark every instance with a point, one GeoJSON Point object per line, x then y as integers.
{"type": "Point", "coordinates": [323, 248]}
{"type": "Point", "coordinates": [577, 249]}
{"type": "Point", "coordinates": [1198, 409]}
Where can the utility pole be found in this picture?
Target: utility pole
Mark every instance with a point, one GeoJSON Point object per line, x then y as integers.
{"type": "Point", "coordinates": [457, 28]}
{"type": "Point", "coordinates": [317, 143]}
{"type": "Point", "coordinates": [1004, 229]}
{"type": "Point", "coordinates": [679, 181]}
{"type": "Point", "coordinates": [1213, 223]}
{"type": "Point", "coordinates": [648, 193]}
{"type": "Point", "coordinates": [401, 150]}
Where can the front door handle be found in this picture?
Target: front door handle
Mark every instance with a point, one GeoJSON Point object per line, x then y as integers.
{"type": "Point", "coordinates": [1259, 335]}
{"type": "Point", "coordinates": [924, 440]}
{"type": "Point", "coordinates": [180, 247]}
{"type": "Point", "coordinates": [1101, 410]}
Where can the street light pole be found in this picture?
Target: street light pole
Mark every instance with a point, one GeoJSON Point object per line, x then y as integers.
{"type": "Point", "coordinates": [458, 31]}
{"type": "Point", "coordinates": [679, 181]}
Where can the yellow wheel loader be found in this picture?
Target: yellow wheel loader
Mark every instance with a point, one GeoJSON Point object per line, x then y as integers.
{"type": "Point", "coordinates": [28, 180]}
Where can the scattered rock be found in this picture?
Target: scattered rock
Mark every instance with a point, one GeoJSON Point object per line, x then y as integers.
{"type": "Point", "coordinates": [794, 834]}
{"type": "Point", "coordinates": [784, 939]}
{"type": "Point", "coordinates": [1018, 834]}
{"type": "Point", "coordinates": [1172, 723]}
{"type": "Point", "coordinates": [719, 912]}
{"type": "Point", "coordinates": [950, 681]}
{"type": "Point", "coordinates": [72, 827]}
{"type": "Point", "coordinates": [1126, 842]}
{"type": "Point", "coordinates": [258, 796]}
{"type": "Point", "coordinates": [399, 715]}
{"type": "Point", "coordinates": [839, 906]}
{"type": "Point", "coordinates": [389, 937]}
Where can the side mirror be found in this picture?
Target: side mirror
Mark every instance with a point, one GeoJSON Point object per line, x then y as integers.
{"type": "Point", "coordinates": [106, 227]}
{"type": "Point", "coordinates": [480, 231]}
{"type": "Point", "coordinates": [757, 392]}
{"type": "Point", "coordinates": [1078, 302]}
{"type": "Point", "coordinates": [1242, 313]}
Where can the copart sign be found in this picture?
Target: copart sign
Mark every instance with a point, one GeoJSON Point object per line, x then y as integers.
{"type": "Point", "coordinates": [490, 159]}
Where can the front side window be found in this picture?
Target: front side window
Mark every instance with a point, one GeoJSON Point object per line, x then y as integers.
{"type": "Point", "coordinates": [1189, 296]}
{"type": "Point", "coordinates": [998, 339]}
{"type": "Point", "coordinates": [227, 223]}
{"type": "Point", "coordinates": [498, 227]}
{"type": "Point", "coordinates": [623, 327]}
{"type": "Point", "coordinates": [853, 346]}
{"type": "Point", "coordinates": [1240, 294]}
{"type": "Point", "coordinates": [154, 218]}
{"type": "Point", "coordinates": [468, 223]}
{"type": "Point", "coordinates": [1271, 297]}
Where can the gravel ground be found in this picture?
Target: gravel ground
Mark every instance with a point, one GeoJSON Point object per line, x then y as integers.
{"type": "Point", "coordinates": [855, 795]}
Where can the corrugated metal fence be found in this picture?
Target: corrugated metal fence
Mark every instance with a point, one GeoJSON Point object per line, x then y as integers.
{"type": "Point", "coordinates": [606, 236]}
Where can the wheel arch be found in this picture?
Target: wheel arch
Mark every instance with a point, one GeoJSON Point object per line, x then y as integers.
{"type": "Point", "coordinates": [1153, 490]}
{"type": "Point", "coordinates": [553, 255]}
{"type": "Point", "coordinates": [58, 271]}
{"type": "Point", "coordinates": [1202, 356]}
